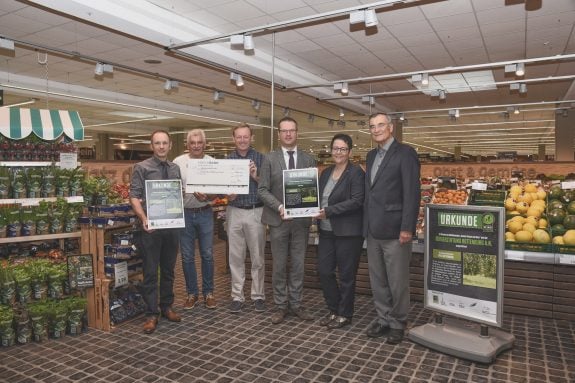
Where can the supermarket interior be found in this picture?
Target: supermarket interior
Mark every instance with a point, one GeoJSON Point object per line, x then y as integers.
{"type": "Point", "coordinates": [483, 90]}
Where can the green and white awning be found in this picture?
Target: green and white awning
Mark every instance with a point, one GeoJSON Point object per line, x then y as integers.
{"type": "Point", "coordinates": [48, 124]}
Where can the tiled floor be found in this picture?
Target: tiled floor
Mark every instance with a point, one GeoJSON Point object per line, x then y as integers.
{"type": "Point", "coordinates": [216, 346]}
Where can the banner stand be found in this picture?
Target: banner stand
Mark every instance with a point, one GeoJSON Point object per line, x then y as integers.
{"type": "Point", "coordinates": [462, 339]}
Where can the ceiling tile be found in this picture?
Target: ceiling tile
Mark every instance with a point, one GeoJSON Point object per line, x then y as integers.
{"type": "Point", "coordinates": [400, 16]}
{"type": "Point", "coordinates": [334, 41]}
{"type": "Point", "coordinates": [416, 28]}
{"type": "Point", "coordinates": [271, 7]}
{"type": "Point", "coordinates": [447, 8]}
{"type": "Point", "coordinates": [464, 20]}
{"type": "Point", "coordinates": [499, 15]}
{"type": "Point", "coordinates": [300, 46]}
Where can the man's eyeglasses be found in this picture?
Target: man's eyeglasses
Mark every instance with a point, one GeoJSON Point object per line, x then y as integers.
{"type": "Point", "coordinates": [196, 144]}
{"type": "Point", "coordinates": [286, 131]}
{"type": "Point", "coordinates": [339, 150]}
{"type": "Point", "coordinates": [381, 125]}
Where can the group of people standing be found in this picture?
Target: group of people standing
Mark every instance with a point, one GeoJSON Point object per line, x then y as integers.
{"type": "Point", "coordinates": [379, 206]}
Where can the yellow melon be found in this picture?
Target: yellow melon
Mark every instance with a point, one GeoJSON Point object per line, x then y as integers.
{"type": "Point", "coordinates": [515, 226]}
{"type": "Point", "coordinates": [558, 240]}
{"type": "Point", "coordinates": [531, 219]}
{"type": "Point", "coordinates": [515, 190]}
{"type": "Point", "coordinates": [509, 236]}
{"type": "Point", "coordinates": [534, 212]}
{"type": "Point", "coordinates": [530, 188]}
{"type": "Point", "coordinates": [529, 227]}
{"type": "Point", "coordinates": [541, 194]}
{"type": "Point", "coordinates": [542, 223]}
{"type": "Point", "coordinates": [523, 236]}
{"type": "Point", "coordinates": [522, 207]}
{"type": "Point", "coordinates": [569, 237]}
{"type": "Point", "coordinates": [509, 204]}
{"type": "Point", "coordinates": [526, 197]}
{"type": "Point", "coordinates": [541, 236]}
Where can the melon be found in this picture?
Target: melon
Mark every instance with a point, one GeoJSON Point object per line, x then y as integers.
{"type": "Point", "coordinates": [524, 236]}
{"type": "Point", "coordinates": [555, 204]}
{"type": "Point", "coordinates": [522, 207]}
{"type": "Point", "coordinates": [515, 226]}
{"type": "Point", "coordinates": [542, 223]}
{"type": "Point", "coordinates": [558, 240]}
{"type": "Point", "coordinates": [568, 196]}
{"type": "Point", "coordinates": [541, 236]}
{"type": "Point", "coordinates": [509, 204]}
{"type": "Point", "coordinates": [510, 236]}
{"type": "Point", "coordinates": [558, 229]}
{"type": "Point", "coordinates": [541, 194]}
{"type": "Point", "coordinates": [534, 212]}
{"type": "Point", "coordinates": [529, 227]}
{"type": "Point", "coordinates": [530, 188]}
{"type": "Point", "coordinates": [555, 192]}
{"type": "Point", "coordinates": [569, 222]}
{"type": "Point", "coordinates": [568, 237]}
{"type": "Point", "coordinates": [571, 207]}
{"type": "Point", "coordinates": [515, 190]}
{"type": "Point", "coordinates": [531, 219]}
{"type": "Point", "coordinates": [556, 216]}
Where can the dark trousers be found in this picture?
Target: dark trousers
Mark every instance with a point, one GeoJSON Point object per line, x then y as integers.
{"type": "Point", "coordinates": [342, 253]}
{"type": "Point", "coordinates": [159, 249]}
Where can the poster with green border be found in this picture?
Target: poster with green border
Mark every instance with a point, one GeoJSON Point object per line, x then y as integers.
{"type": "Point", "coordinates": [464, 256]}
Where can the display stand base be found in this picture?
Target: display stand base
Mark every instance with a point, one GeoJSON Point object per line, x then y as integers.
{"type": "Point", "coordinates": [462, 339]}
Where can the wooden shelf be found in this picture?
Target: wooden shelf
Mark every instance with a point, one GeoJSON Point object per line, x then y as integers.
{"type": "Point", "coordinates": [44, 237]}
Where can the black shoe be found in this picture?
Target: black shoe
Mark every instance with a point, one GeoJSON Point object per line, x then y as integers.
{"type": "Point", "coordinates": [377, 330]}
{"type": "Point", "coordinates": [327, 319]}
{"type": "Point", "coordinates": [303, 314]}
{"type": "Point", "coordinates": [395, 336]}
{"type": "Point", "coordinates": [339, 322]}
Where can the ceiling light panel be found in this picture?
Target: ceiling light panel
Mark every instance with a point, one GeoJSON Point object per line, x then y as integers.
{"type": "Point", "coordinates": [458, 82]}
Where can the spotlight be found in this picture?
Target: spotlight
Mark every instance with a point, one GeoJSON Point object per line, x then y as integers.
{"type": "Point", "coordinates": [370, 18]}
{"type": "Point", "coordinates": [523, 88]}
{"type": "Point", "coordinates": [99, 69]}
{"type": "Point", "coordinates": [344, 88]}
{"type": "Point", "coordinates": [236, 40]}
{"type": "Point", "coordinates": [514, 86]}
{"type": "Point", "coordinates": [371, 100]}
{"type": "Point", "coordinates": [170, 84]}
{"type": "Point", "coordinates": [249, 43]}
{"type": "Point", "coordinates": [341, 112]}
{"type": "Point", "coordinates": [401, 117]}
{"type": "Point", "coordinates": [520, 69]}
{"type": "Point", "coordinates": [108, 68]}
{"type": "Point", "coordinates": [515, 110]}
{"type": "Point", "coordinates": [237, 78]}
{"type": "Point", "coordinates": [424, 79]}
{"type": "Point", "coordinates": [454, 113]}
{"type": "Point", "coordinates": [256, 104]}
{"type": "Point", "coordinates": [218, 96]}
{"type": "Point", "coordinates": [357, 17]}
{"type": "Point", "coordinates": [6, 44]}
{"type": "Point", "coordinates": [441, 94]}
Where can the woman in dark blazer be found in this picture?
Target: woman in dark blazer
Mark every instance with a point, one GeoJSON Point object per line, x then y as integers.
{"type": "Point", "coordinates": [341, 192]}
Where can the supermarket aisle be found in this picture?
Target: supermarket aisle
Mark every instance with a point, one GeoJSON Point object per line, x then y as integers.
{"type": "Point", "coordinates": [215, 346]}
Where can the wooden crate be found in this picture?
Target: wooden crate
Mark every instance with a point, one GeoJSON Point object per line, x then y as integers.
{"type": "Point", "coordinates": [564, 292]}
{"type": "Point", "coordinates": [528, 289]}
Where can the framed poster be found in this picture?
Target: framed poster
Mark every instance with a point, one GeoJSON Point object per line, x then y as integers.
{"type": "Point", "coordinates": [301, 191]}
{"type": "Point", "coordinates": [464, 256]}
{"type": "Point", "coordinates": [165, 204]}
{"type": "Point", "coordinates": [212, 176]}
{"type": "Point", "coordinates": [80, 271]}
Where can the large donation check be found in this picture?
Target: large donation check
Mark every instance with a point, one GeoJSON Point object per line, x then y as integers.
{"type": "Point", "coordinates": [212, 176]}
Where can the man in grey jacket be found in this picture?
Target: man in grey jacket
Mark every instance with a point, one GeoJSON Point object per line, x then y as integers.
{"type": "Point", "coordinates": [289, 237]}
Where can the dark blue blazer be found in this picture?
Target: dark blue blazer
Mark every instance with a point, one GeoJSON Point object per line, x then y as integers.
{"type": "Point", "coordinates": [392, 200]}
{"type": "Point", "coordinates": [345, 203]}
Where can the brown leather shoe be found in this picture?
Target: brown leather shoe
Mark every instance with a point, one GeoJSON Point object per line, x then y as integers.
{"type": "Point", "coordinates": [279, 315]}
{"type": "Point", "coordinates": [210, 301]}
{"type": "Point", "coordinates": [171, 315]}
{"type": "Point", "coordinates": [190, 302]}
{"type": "Point", "coordinates": [150, 325]}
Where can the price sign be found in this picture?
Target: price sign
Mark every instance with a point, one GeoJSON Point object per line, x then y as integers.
{"type": "Point", "coordinates": [68, 160]}
{"type": "Point", "coordinates": [121, 274]}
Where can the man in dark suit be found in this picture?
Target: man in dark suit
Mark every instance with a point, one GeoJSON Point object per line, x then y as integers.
{"type": "Point", "coordinates": [392, 194]}
{"type": "Point", "coordinates": [288, 237]}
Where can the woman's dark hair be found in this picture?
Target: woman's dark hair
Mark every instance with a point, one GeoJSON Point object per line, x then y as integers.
{"type": "Point", "coordinates": [345, 138]}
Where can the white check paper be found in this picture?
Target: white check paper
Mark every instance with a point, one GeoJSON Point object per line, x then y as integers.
{"type": "Point", "coordinates": [213, 176]}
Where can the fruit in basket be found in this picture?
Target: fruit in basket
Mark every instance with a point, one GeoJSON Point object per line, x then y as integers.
{"type": "Point", "coordinates": [534, 212]}
{"type": "Point", "coordinates": [523, 236]}
{"type": "Point", "coordinates": [569, 237]}
{"type": "Point", "coordinates": [509, 236]}
{"type": "Point", "coordinates": [530, 188]}
{"type": "Point", "coordinates": [555, 204]}
{"type": "Point", "coordinates": [522, 207]}
{"type": "Point", "coordinates": [541, 236]}
{"type": "Point", "coordinates": [529, 227]}
{"type": "Point", "coordinates": [558, 229]}
{"type": "Point", "coordinates": [571, 207]}
{"type": "Point", "coordinates": [542, 223]}
{"type": "Point", "coordinates": [452, 197]}
{"type": "Point", "coordinates": [569, 222]}
{"type": "Point", "coordinates": [510, 204]}
{"type": "Point", "coordinates": [558, 240]}
{"type": "Point", "coordinates": [515, 226]}
{"type": "Point", "coordinates": [556, 216]}
{"type": "Point", "coordinates": [515, 190]}
{"type": "Point", "coordinates": [555, 192]}
{"type": "Point", "coordinates": [568, 196]}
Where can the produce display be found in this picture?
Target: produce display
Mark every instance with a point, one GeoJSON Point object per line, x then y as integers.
{"type": "Point", "coordinates": [527, 206]}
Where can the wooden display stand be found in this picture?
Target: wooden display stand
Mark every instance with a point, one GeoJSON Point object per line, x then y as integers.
{"type": "Point", "coordinates": [93, 240]}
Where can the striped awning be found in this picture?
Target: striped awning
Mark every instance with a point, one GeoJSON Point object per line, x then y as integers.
{"type": "Point", "coordinates": [48, 124]}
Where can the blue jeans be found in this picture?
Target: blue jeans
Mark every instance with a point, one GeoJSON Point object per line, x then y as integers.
{"type": "Point", "coordinates": [200, 226]}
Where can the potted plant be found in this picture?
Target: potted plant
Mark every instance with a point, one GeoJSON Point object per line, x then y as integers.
{"type": "Point", "coordinates": [22, 324]}
{"type": "Point", "coordinates": [37, 312]}
{"type": "Point", "coordinates": [3, 222]}
{"type": "Point", "coordinates": [7, 335]}
{"type": "Point", "coordinates": [18, 184]}
{"type": "Point", "coordinates": [57, 274]}
{"type": "Point", "coordinates": [7, 284]}
{"type": "Point", "coordinates": [13, 225]}
{"type": "Point", "coordinates": [38, 272]}
{"type": "Point", "coordinates": [62, 183]}
{"type": "Point", "coordinates": [48, 182]}
{"type": "Point", "coordinates": [23, 288]}
{"type": "Point", "coordinates": [42, 221]}
{"type": "Point", "coordinates": [28, 221]}
{"type": "Point", "coordinates": [76, 311]}
{"type": "Point", "coordinates": [4, 182]}
{"type": "Point", "coordinates": [57, 318]}
{"type": "Point", "coordinates": [34, 183]}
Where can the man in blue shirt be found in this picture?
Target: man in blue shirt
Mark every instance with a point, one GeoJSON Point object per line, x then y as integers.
{"type": "Point", "coordinates": [244, 227]}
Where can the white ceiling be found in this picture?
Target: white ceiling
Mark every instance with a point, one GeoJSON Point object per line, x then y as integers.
{"type": "Point", "coordinates": [414, 36]}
